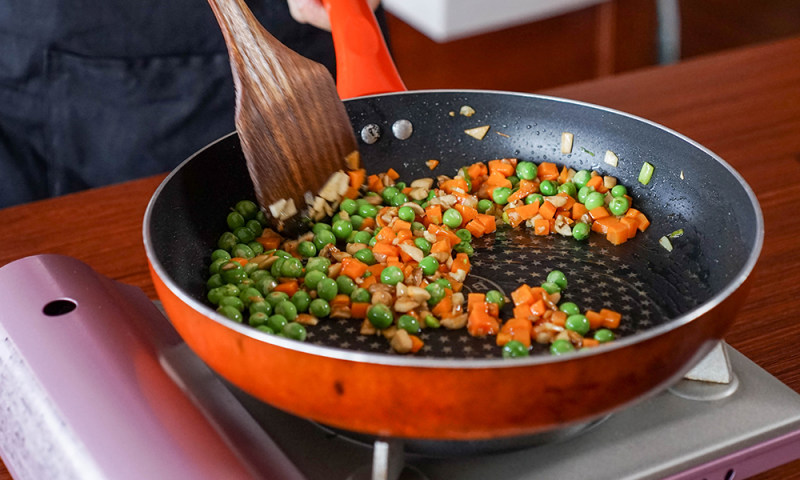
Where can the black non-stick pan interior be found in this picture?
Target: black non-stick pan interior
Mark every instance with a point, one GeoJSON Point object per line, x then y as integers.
{"type": "Point", "coordinates": [691, 190]}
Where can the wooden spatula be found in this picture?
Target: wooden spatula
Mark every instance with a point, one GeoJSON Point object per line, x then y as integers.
{"type": "Point", "coordinates": [294, 130]}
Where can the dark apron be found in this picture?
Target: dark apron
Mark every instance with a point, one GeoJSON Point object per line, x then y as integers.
{"type": "Point", "coordinates": [94, 92]}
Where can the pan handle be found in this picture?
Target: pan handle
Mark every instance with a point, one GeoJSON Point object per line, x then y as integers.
{"type": "Point", "coordinates": [363, 63]}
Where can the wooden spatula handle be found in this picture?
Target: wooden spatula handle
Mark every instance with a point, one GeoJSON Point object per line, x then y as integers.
{"type": "Point", "coordinates": [363, 63]}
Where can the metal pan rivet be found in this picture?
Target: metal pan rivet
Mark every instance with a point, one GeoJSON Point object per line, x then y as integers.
{"type": "Point", "coordinates": [370, 133]}
{"type": "Point", "coordinates": [402, 129]}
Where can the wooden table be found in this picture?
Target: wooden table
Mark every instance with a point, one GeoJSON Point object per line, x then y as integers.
{"type": "Point", "coordinates": [743, 105]}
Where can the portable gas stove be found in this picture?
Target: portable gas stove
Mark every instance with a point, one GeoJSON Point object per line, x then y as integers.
{"type": "Point", "coordinates": [95, 384]}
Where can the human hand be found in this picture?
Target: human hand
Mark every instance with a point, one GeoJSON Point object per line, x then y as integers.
{"type": "Point", "coordinates": [313, 12]}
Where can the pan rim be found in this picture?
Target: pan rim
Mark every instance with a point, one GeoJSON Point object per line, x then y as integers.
{"type": "Point", "coordinates": [471, 363]}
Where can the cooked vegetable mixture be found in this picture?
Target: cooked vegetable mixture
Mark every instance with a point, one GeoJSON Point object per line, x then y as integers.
{"type": "Point", "coordinates": [395, 257]}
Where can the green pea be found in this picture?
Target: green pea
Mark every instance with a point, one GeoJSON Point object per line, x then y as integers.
{"type": "Point", "coordinates": [327, 288]}
{"type": "Point", "coordinates": [392, 275]}
{"type": "Point", "coordinates": [231, 312]}
{"type": "Point", "coordinates": [214, 281]}
{"type": "Point", "coordinates": [534, 197]}
{"type": "Point", "coordinates": [551, 287]}
{"type": "Point", "coordinates": [409, 324]}
{"type": "Point", "coordinates": [444, 283]}
{"type": "Point", "coordinates": [229, 290]}
{"type": "Point", "coordinates": [584, 192]}
{"type": "Point", "coordinates": [217, 264]}
{"type": "Point", "coordinates": [548, 188]}
{"type": "Point", "coordinates": [580, 231]}
{"type": "Point", "coordinates": [243, 251]}
{"type": "Point", "coordinates": [464, 234]}
{"type": "Point", "coordinates": [234, 302]}
{"type": "Point", "coordinates": [255, 227]}
{"type": "Point", "coordinates": [346, 284]}
{"type": "Point", "coordinates": [232, 272]}
{"type": "Point", "coordinates": [398, 200]}
{"type": "Point", "coordinates": [365, 255]}
{"type": "Point", "coordinates": [570, 308]}
{"type": "Point", "coordinates": [557, 277]}
{"type": "Point", "coordinates": [307, 249]}
{"type": "Point", "coordinates": [437, 293]}
{"type": "Point", "coordinates": [568, 188]}
{"type": "Point", "coordinates": [292, 267]}
{"type": "Point", "coordinates": [604, 335]}
{"type": "Point", "coordinates": [323, 238]}
{"type": "Point", "coordinates": [526, 170]}
{"type": "Point", "coordinates": [360, 295]}
{"type": "Point", "coordinates": [287, 309]}
{"type": "Point", "coordinates": [277, 322]}
{"type": "Point", "coordinates": [349, 206]}
{"type": "Point", "coordinates": [431, 321]}
{"type": "Point", "coordinates": [319, 264]}
{"type": "Point", "coordinates": [342, 229]}
{"type": "Point", "coordinates": [262, 218]}
{"type": "Point", "coordinates": [257, 275]}
{"type": "Point", "coordinates": [429, 265]}
{"type": "Point", "coordinates": [235, 220]}
{"type": "Point", "coordinates": [275, 298]}
{"type": "Point", "coordinates": [215, 295]}
{"type": "Point", "coordinates": [406, 213]}
{"type": "Point", "coordinates": [282, 254]}
{"type": "Point", "coordinates": [367, 210]}
{"type": "Point", "coordinates": [250, 295]}
{"type": "Point", "coordinates": [452, 218]}
{"type": "Point", "coordinates": [578, 324]}
{"type": "Point", "coordinates": [388, 193]}
{"type": "Point", "coordinates": [515, 349]}
{"type": "Point", "coordinates": [319, 307]}
{"type": "Point", "coordinates": [619, 191]}
{"type": "Point", "coordinates": [357, 221]}
{"type": "Point", "coordinates": [361, 237]}
{"type": "Point", "coordinates": [494, 296]}
{"type": "Point", "coordinates": [247, 208]}
{"type": "Point", "coordinates": [260, 306]}
{"type": "Point", "coordinates": [594, 200]}
{"type": "Point", "coordinates": [266, 284]}
{"type": "Point", "coordinates": [301, 300]}
{"type": "Point", "coordinates": [500, 195]}
{"type": "Point", "coordinates": [464, 247]}
{"type": "Point", "coordinates": [227, 241]}
{"type": "Point", "coordinates": [380, 316]}
{"type": "Point", "coordinates": [220, 254]}
{"type": "Point", "coordinates": [400, 185]}
{"type": "Point", "coordinates": [581, 177]}
{"type": "Point", "coordinates": [618, 205]}
{"type": "Point", "coordinates": [295, 331]}
{"type": "Point", "coordinates": [484, 205]}
{"type": "Point", "coordinates": [265, 329]}
{"type": "Point", "coordinates": [244, 234]}
{"type": "Point", "coordinates": [256, 247]}
{"type": "Point", "coordinates": [257, 319]}
{"type": "Point", "coordinates": [417, 227]}
{"type": "Point", "coordinates": [561, 346]}
{"type": "Point", "coordinates": [423, 245]}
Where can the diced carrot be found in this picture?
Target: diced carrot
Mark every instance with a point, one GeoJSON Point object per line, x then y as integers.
{"type": "Point", "coordinates": [488, 221]}
{"type": "Point", "coordinates": [596, 182]}
{"type": "Point", "coordinates": [368, 222]}
{"type": "Point", "coordinates": [359, 309]}
{"type": "Point", "coordinates": [444, 232]}
{"type": "Point", "coordinates": [416, 343]}
{"type": "Point", "coordinates": [547, 210]}
{"type": "Point", "coordinates": [497, 179]}
{"type": "Point", "coordinates": [455, 184]}
{"type": "Point", "coordinates": [617, 233]}
{"type": "Point", "coordinates": [558, 318]}
{"type": "Point", "coordinates": [578, 210]}
{"type": "Point", "coordinates": [518, 329]}
{"type": "Point", "coordinates": [474, 299]}
{"type": "Point", "coordinates": [353, 267]}
{"type": "Point", "coordinates": [541, 226]}
{"type": "Point", "coordinates": [399, 225]}
{"type": "Point", "coordinates": [477, 170]}
{"type": "Point", "coordinates": [643, 222]}
{"type": "Point", "coordinates": [547, 171]}
{"type": "Point", "coordinates": [374, 183]}
{"type": "Point", "coordinates": [589, 343]}
{"type": "Point", "coordinates": [376, 270]}
{"type": "Point", "coordinates": [444, 308]}
{"type": "Point", "coordinates": [461, 262]}
{"type": "Point", "coordinates": [240, 260]}
{"type": "Point", "coordinates": [501, 166]}
{"type": "Point", "coordinates": [432, 163]}
{"type": "Point", "coordinates": [595, 319]}
{"type": "Point", "coordinates": [522, 295]}
{"type": "Point", "coordinates": [632, 225]}
{"type": "Point", "coordinates": [467, 213]}
{"type": "Point", "coordinates": [392, 173]}
{"type": "Point", "coordinates": [357, 178]}
{"type": "Point", "coordinates": [385, 235]}
{"type": "Point", "coordinates": [611, 318]}
{"type": "Point", "coordinates": [434, 214]}
{"type": "Point", "coordinates": [367, 282]}
{"type": "Point", "coordinates": [599, 212]}
{"type": "Point", "coordinates": [538, 308]}
{"type": "Point", "coordinates": [341, 299]}
{"type": "Point", "coordinates": [523, 311]}
{"type": "Point", "coordinates": [570, 201]}
{"type": "Point", "coordinates": [601, 225]}
{"type": "Point", "coordinates": [351, 193]}
{"type": "Point", "coordinates": [475, 227]}
{"type": "Point", "coordinates": [480, 323]}
{"type": "Point", "coordinates": [562, 177]}
{"type": "Point", "coordinates": [290, 288]}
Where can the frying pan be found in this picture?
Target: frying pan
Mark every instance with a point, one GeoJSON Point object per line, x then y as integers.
{"type": "Point", "coordinates": [676, 305]}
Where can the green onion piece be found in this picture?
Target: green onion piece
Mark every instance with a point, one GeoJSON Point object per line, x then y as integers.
{"type": "Point", "coordinates": [646, 173]}
{"type": "Point", "coordinates": [664, 242]}
{"type": "Point", "coordinates": [677, 233]}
